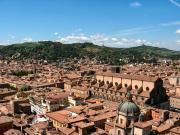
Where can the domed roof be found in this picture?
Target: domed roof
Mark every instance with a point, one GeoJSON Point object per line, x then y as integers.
{"type": "Point", "coordinates": [128, 107]}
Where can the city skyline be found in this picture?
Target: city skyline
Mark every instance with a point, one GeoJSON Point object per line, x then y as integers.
{"type": "Point", "coordinates": [115, 23]}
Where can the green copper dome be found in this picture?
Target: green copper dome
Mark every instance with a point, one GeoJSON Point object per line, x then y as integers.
{"type": "Point", "coordinates": [128, 107]}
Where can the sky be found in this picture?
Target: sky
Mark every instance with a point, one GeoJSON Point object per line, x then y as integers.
{"type": "Point", "coordinates": [114, 23]}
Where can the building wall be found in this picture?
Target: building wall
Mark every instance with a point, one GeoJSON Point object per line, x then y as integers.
{"type": "Point", "coordinates": [52, 107]}
{"type": "Point", "coordinates": [57, 124]}
{"type": "Point", "coordinates": [99, 77]}
{"type": "Point", "coordinates": [100, 123]}
{"type": "Point", "coordinates": [126, 82]}
{"type": "Point", "coordinates": [108, 127]}
{"type": "Point", "coordinates": [122, 120]}
{"type": "Point", "coordinates": [80, 93]}
{"type": "Point", "coordinates": [138, 131]}
{"type": "Point", "coordinates": [56, 106]}
{"type": "Point", "coordinates": [117, 131]}
{"type": "Point", "coordinates": [17, 108]}
{"type": "Point", "coordinates": [155, 114]}
{"type": "Point", "coordinates": [67, 87]}
{"type": "Point", "coordinates": [116, 80]}
{"type": "Point", "coordinates": [137, 83]}
{"type": "Point", "coordinates": [174, 80]}
{"type": "Point", "coordinates": [147, 130]}
{"type": "Point", "coordinates": [142, 131]}
{"type": "Point", "coordinates": [175, 102]}
{"type": "Point", "coordinates": [177, 90]}
{"type": "Point", "coordinates": [108, 79]}
{"type": "Point", "coordinates": [149, 85]}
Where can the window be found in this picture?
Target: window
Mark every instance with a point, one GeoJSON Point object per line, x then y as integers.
{"type": "Point", "coordinates": [128, 123]}
{"type": "Point", "coordinates": [136, 87]}
{"type": "Point", "coordinates": [125, 85]}
{"type": "Point", "coordinates": [121, 121]}
{"type": "Point", "coordinates": [119, 132]}
{"type": "Point", "coordinates": [147, 88]}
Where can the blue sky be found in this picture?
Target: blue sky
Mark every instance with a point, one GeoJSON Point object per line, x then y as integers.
{"type": "Point", "coordinates": [116, 23]}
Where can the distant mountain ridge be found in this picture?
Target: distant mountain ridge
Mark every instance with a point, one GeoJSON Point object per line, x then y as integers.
{"type": "Point", "coordinates": [55, 50]}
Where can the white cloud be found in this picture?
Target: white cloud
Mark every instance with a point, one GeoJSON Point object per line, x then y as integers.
{"type": "Point", "coordinates": [56, 33]}
{"type": "Point", "coordinates": [137, 30]}
{"type": "Point", "coordinates": [178, 31]}
{"type": "Point", "coordinates": [3, 43]}
{"type": "Point", "coordinates": [178, 42]}
{"type": "Point", "coordinates": [114, 39]}
{"type": "Point", "coordinates": [102, 39]}
{"type": "Point", "coordinates": [139, 41]}
{"type": "Point", "coordinates": [175, 23]}
{"type": "Point", "coordinates": [27, 39]}
{"type": "Point", "coordinates": [7, 42]}
{"type": "Point", "coordinates": [135, 4]}
{"type": "Point", "coordinates": [175, 2]}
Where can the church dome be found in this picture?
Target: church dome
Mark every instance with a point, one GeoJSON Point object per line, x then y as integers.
{"type": "Point", "coordinates": [128, 107]}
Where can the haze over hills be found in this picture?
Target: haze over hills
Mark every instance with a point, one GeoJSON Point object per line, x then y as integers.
{"type": "Point", "coordinates": [55, 50]}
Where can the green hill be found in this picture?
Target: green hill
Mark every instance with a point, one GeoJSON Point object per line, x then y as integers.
{"type": "Point", "coordinates": [54, 50]}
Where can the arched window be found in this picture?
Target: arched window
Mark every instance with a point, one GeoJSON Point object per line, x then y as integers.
{"type": "Point", "coordinates": [136, 87]}
{"type": "Point", "coordinates": [121, 121]}
{"type": "Point", "coordinates": [119, 132]}
{"type": "Point", "coordinates": [116, 83]}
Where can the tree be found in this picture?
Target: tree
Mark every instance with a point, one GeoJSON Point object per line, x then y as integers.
{"type": "Point", "coordinates": [25, 88]}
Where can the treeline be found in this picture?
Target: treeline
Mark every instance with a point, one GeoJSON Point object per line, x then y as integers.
{"type": "Point", "coordinates": [55, 51]}
{"type": "Point", "coordinates": [20, 73]}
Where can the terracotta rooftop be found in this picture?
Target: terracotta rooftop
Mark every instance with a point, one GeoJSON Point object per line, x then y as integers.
{"type": "Point", "coordinates": [99, 132]}
{"type": "Point", "coordinates": [5, 119]}
{"type": "Point", "coordinates": [67, 131]}
{"type": "Point", "coordinates": [13, 132]}
{"type": "Point", "coordinates": [65, 116]}
{"type": "Point", "coordinates": [57, 95]}
{"type": "Point", "coordinates": [29, 131]}
{"type": "Point", "coordinates": [81, 88]}
{"type": "Point", "coordinates": [117, 125]}
{"type": "Point", "coordinates": [103, 116]}
{"type": "Point", "coordinates": [84, 124]}
{"type": "Point", "coordinates": [163, 127]}
{"type": "Point", "coordinates": [175, 130]}
{"type": "Point", "coordinates": [40, 126]}
{"type": "Point", "coordinates": [143, 124]}
{"type": "Point", "coordinates": [76, 109]}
